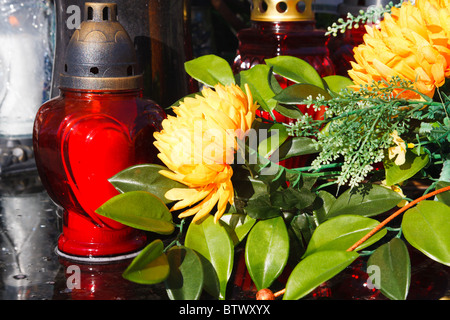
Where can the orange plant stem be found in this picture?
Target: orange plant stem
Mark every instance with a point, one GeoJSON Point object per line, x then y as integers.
{"type": "Point", "coordinates": [279, 293]}
{"type": "Point", "coordinates": [383, 223]}
{"type": "Point", "coordinates": [395, 214]}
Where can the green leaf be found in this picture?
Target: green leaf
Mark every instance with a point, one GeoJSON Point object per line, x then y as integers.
{"type": "Point", "coordinates": [290, 111]}
{"type": "Point", "coordinates": [277, 135]}
{"type": "Point", "coordinates": [292, 198]}
{"type": "Point", "coordinates": [150, 266]}
{"type": "Point", "coordinates": [341, 232]}
{"type": "Point", "coordinates": [336, 83]}
{"type": "Point", "coordinates": [145, 177]}
{"type": "Point", "coordinates": [316, 269]}
{"type": "Point", "coordinates": [260, 207]}
{"type": "Point", "coordinates": [413, 163]}
{"type": "Point", "coordinates": [297, 146]}
{"type": "Point", "coordinates": [426, 227]}
{"type": "Point", "coordinates": [267, 251]}
{"type": "Point", "coordinates": [185, 280]}
{"type": "Point", "coordinates": [210, 280]}
{"type": "Point", "coordinates": [247, 187]}
{"type": "Point", "coordinates": [366, 200]}
{"type": "Point", "coordinates": [140, 210]}
{"type": "Point", "coordinates": [238, 225]}
{"type": "Point", "coordinates": [443, 197]}
{"type": "Point", "coordinates": [298, 93]}
{"type": "Point", "coordinates": [303, 226]}
{"type": "Point", "coordinates": [257, 79]}
{"type": "Point", "coordinates": [213, 242]}
{"type": "Point", "coordinates": [210, 70]}
{"type": "Point", "coordinates": [327, 201]}
{"type": "Point", "coordinates": [295, 69]}
{"type": "Point", "coordinates": [392, 269]}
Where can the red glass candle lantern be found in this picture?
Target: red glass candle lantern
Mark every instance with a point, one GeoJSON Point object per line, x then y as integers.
{"type": "Point", "coordinates": [284, 27]}
{"type": "Point", "coordinates": [97, 126]}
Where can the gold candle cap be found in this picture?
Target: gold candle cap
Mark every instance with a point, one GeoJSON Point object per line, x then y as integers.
{"type": "Point", "coordinates": [282, 10]}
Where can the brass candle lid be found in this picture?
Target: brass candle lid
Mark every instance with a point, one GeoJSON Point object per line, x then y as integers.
{"type": "Point", "coordinates": [282, 10]}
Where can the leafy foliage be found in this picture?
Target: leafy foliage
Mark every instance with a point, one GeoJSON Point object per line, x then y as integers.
{"type": "Point", "coordinates": [299, 215]}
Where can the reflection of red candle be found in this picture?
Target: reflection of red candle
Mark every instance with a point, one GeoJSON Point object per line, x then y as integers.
{"type": "Point", "coordinates": [284, 28]}
{"type": "Point", "coordinates": [98, 126]}
{"type": "Point", "coordinates": [96, 281]}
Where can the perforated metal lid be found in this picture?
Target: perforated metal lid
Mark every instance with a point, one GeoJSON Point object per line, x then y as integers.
{"type": "Point", "coordinates": [282, 10]}
{"type": "Point", "coordinates": [100, 54]}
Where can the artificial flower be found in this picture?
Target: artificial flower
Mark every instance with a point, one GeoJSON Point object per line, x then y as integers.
{"type": "Point", "coordinates": [399, 150]}
{"type": "Point", "coordinates": [198, 146]}
{"type": "Point", "coordinates": [412, 42]}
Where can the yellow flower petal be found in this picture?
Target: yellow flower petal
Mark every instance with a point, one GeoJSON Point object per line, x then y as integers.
{"type": "Point", "coordinates": [399, 150]}
{"type": "Point", "coordinates": [188, 196]}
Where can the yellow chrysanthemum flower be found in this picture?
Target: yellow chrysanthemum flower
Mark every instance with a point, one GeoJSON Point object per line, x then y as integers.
{"type": "Point", "coordinates": [198, 145]}
{"type": "Point", "coordinates": [413, 42]}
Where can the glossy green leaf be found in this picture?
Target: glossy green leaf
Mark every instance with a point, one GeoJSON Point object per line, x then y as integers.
{"type": "Point", "coordinates": [297, 146]}
{"type": "Point", "coordinates": [314, 270]}
{"type": "Point", "coordinates": [185, 280]}
{"type": "Point", "coordinates": [389, 269]}
{"type": "Point", "coordinates": [413, 164]}
{"type": "Point", "coordinates": [145, 177]}
{"type": "Point", "coordinates": [297, 93]}
{"type": "Point", "coordinates": [295, 69]}
{"type": "Point", "coordinates": [140, 210]}
{"type": "Point", "coordinates": [213, 242]}
{"type": "Point", "coordinates": [443, 197]}
{"type": "Point", "coordinates": [327, 201]}
{"type": "Point", "coordinates": [210, 70]}
{"type": "Point", "coordinates": [210, 280]}
{"type": "Point", "coordinates": [290, 111]}
{"type": "Point", "coordinates": [336, 83]}
{"type": "Point", "coordinates": [426, 227]}
{"type": "Point", "coordinates": [367, 200]}
{"type": "Point", "coordinates": [150, 266]}
{"type": "Point", "coordinates": [277, 135]}
{"type": "Point", "coordinates": [341, 232]}
{"type": "Point", "coordinates": [267, 251]}
{"type": "Point", "coordinates": [238, 225]}
{"type": "Point", "coordinates": [257, 79]}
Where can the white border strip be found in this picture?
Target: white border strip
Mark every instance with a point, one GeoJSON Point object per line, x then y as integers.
{"type": "Point", "coordinates": [93, 259]}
